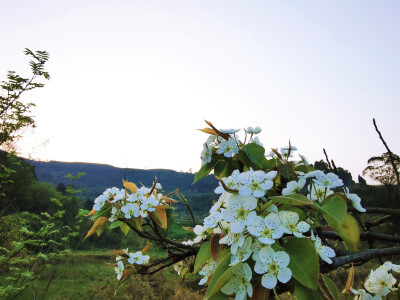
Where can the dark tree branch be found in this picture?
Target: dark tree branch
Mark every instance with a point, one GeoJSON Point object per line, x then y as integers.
{"type": "Point", "coordinates": [392, 160]}
{"type": "Point", "coordinates": [365, 236]}
{"type": "Point", "coordinates": [362, 256]}
{"type": "Point", "coordinates": [379, 210]}
{"type": "Point", "coordinates": [377, 222]}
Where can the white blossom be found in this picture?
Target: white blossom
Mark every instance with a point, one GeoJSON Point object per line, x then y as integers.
{"type": "Point", "coordinates": [329, 180]}
{"type": "Point", "coordinates": [240, 212]}
{"type": "Point", "coordinates": [290, 220]}
{"type": "Point", "coordinates": [119, 269]}
{"type": "Point", "coordinates": [380, 282]}
{"type": "Point", "coordinates": [239, 283]}
{"type": "Point", "coordinates": [267, 229]}
{"type": "Point", "coordinates": [229, 131]}
{"type": "Point", "coordinates": [294, 186]}
{"type": "Point", "coordinates": [138, 258]}
{"type": "Point", "coordinates": [207, 270]}
{"type": "Point", "coordinates": [255, 183]}
{"type": "Point", "coordinates": [131, 209]}
{"type": "Point", "coordinates": [355, 200]}
{"type": "Point", "coordinates": [255, 130]}
{"type": "Point", "coordinates": [234, 240]}
{"type": "Point", "coordinates": [325, 252]}
{"type": "Point", "coordinates": [318, 193]}
{"type": "Point", "coordinates": [149, 204]}
{"type": "Point", "coordinates": [274, 267]}
{"type": "Point", "coordinates": [228, 148]}
{"type": "Point", "coordinates": [242, 253]}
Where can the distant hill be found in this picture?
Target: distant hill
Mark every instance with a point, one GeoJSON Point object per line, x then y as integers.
{"type": "Point", "coordinates": [99, 177]}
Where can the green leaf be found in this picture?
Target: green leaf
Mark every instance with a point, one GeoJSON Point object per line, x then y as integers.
{"type": "Point", "coordinates": [294, 199]}
{"type": "Point", "coordinates": [287, 169]}
{"type": "Point", "coordinates": [124, 228]}
{"type": "Point", "coordinates": [115, 224]}
{"type": "Point", "coordinates": [304, 293]}
{"type": "Point", "coordinates": [331, 287]}
{"type": "Point", "coordinates": [223, 169]}
{"type": "Point", "coordinates": [348, 230]}
{"type": "Point", "coordinates": [305, 169]}
{"type": "Point", "coordinates": [105, 211]}
{"type": "Point", "coordinates": [334, 207]}
{"type": "Point", "coordinates": [268, 164]}
{"type": "Point", "coordinates": [202, 256]}
{"type": "Point", "coordinates": [223, 273]}
{"type": "Point", "coordinates": [304, 264]}
{"type": "Point", "coordinates": [205, 170]}
{"type": "Point", "coordinates": [255, 153]}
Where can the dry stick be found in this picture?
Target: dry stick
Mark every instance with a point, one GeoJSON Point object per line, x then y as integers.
{"type": "Point", "coordinates": [390, 155]}
{"type": "Point", "coordinates": [327, 159]}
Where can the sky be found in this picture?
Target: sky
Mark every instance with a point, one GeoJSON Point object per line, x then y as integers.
{"type": "Point", "coordinates": [132, 81]}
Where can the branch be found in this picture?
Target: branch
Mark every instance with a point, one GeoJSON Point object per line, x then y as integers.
{"type": "Point", "coordinates": [365, 236]}
{"type": "Point", "coordinates": [390, 155]}
{"type": "Point", "coordinates": [379, 210]}
{"type": "Point", "coordinates": [362, 257]}
{"type": "Point", "coordinates": [160, 239]}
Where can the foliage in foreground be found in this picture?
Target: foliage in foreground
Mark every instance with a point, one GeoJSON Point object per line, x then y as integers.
{"type": "Point", "coordinates": [277, 226]}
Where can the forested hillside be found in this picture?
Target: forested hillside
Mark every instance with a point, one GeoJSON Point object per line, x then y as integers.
{"type": "Point", "coordinates": [99, 177]}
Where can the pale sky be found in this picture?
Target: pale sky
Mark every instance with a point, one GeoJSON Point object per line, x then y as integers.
{"type": "Point", "coordinates": [131, 81]}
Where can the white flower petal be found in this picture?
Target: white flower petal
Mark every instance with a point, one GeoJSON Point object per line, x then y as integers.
{"type": "Point", "coordinates": [284, 274]}
{"type": "Point", "coordinates": [268, 281]}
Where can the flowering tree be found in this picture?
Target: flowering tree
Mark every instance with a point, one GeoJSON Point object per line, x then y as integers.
{"type": "Point", "coordinates": [278, 225]}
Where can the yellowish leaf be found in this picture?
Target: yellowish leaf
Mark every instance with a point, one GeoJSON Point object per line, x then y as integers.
{"type": "Point", "coordinates": [350, 281]}
{"type": "Point", "coordinates": [208, 130]}
{"type": "Point", "coordinates": [145, 249]}
{"type": "Point", "coordinates": [159, 216]}
{"type": "Point", "coordinates": [91, 213]}
{"type": "Point", "coordinates": [223, 135]}
{"type": "Point", "coordinates": [188, 228]}
{"type": "Point", "coordinates": [97, 224]}
{"type": "Point", "coordinates": [168, 200]}
{"type": "Point", "coordinates": [130, 186]}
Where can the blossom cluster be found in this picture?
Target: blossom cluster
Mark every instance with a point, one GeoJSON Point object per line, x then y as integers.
{"type": "Point", "coordinates": [126, 204]}
{"type": "Point", "coordinates": [130, 205]}
{"type": "Point", "coordinates": [250, 224]}
{"type": "Point", "coordinates": [379, 283]}
{"type": "Point", "coordinates": [136, 258]}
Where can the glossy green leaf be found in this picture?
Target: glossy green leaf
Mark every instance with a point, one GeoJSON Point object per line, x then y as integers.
{"type": "Point", "coordinates": [223, 168]}
{"type": "Point", "coordinates": [115, 224]}
{"type": "Point", "coordinates": [124, 228]}
{"type": "Point", "coordinates": [205, 170]}
{"type": "Point", "coordinates": [304, 264]}
{"type": "Point", "coordinates": [221, 276]}
{"type": "Point", "coordinates": [202, 256]}
{"type": "Point", "coordinates": [335, 207]}
{"type": "Point", "coordinates": [294, 199]}
{"type": "Point", "coordinates": [269, 164]}
{"type": "Point", "coordinates": [348, 230]}
{"type": "Point", "coordinates": [255, 153]}
{"type": "Point", "coordinates": [331, 287]}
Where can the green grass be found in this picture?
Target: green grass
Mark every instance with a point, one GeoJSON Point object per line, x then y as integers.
{"type": "Point", "coordinates": [85, 275]}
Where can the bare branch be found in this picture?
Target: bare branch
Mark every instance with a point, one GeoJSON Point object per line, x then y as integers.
{"type": "Point", "coordinates": [379, 210]}
{"type": "Point", "coordinates": [363, 256]}
{"type": "Point", "coordinates": [392, 160]}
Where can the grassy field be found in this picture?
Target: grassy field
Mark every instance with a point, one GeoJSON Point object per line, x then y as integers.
{"type": "Point", "coordinates": [85, 275]}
